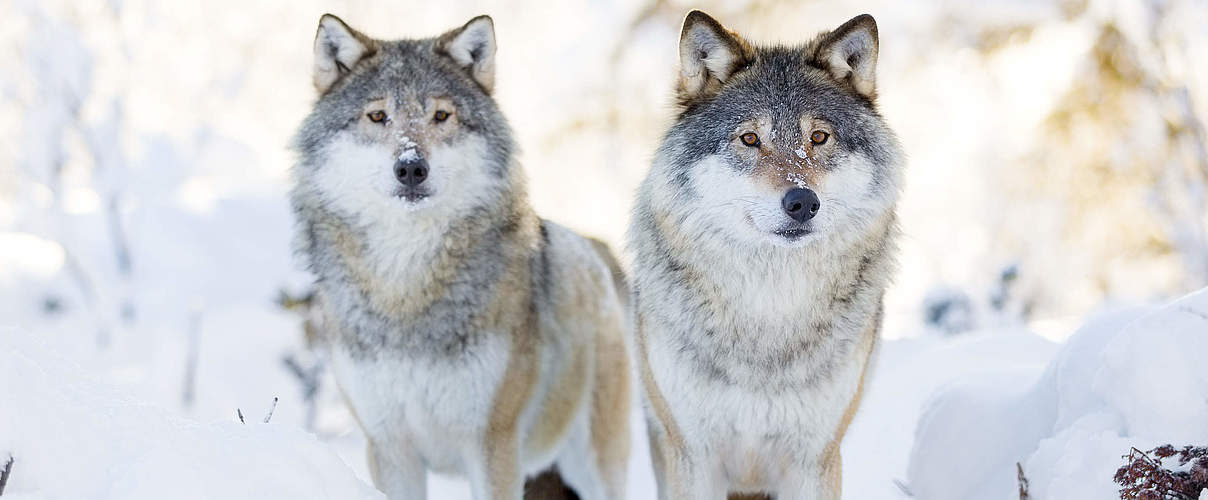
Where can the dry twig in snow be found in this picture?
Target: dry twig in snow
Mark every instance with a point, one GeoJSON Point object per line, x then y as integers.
{"type": "Point", "coordinates": [8, 469]}
{"type": "Point", "coordinates": [271, 410]}
{"type": "Point", "coordinates": [1023, 482]}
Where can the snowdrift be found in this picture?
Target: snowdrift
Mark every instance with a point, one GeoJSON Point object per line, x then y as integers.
{"type": "Point", "coordinates": [1128, 378]}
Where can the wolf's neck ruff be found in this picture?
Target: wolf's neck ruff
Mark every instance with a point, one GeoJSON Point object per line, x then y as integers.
{"type": "Point", "coordinates": [428, 289]}
{"type": "Point", "coordinates": [769, 309]}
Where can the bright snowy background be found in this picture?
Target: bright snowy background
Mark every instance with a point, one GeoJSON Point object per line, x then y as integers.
{"type": "Point", "coordinates": [1056, 179]}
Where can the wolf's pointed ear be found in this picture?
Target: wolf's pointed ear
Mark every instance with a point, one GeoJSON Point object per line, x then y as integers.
{"type": "Point", "coordinates": [709, 55]}
{"type": "Point", "coordinates": [473, 48]}
{"type": "Point", "coordinates": [337, 49]}
{"type": "Point", "coordinates": [850, 53]}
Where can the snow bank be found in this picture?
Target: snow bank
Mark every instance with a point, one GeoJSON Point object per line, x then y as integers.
{"type": "Point", "coordinates": [1129, 378]}
{"type": "Point", "coordinates": [905, 374]}
{"type": "Point", "coordinates": [73, 438]}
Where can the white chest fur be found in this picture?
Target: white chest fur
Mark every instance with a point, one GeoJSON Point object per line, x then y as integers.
{"type": "Point", "coordinates": [753, 438]}
{"type": "Point", "coordinates": [437, 407]}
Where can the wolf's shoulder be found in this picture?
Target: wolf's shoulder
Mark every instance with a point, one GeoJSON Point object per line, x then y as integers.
{"type": "Point", "coordinates": [565, 247]}
{"type": "Point", "coordinates": [577, 261]}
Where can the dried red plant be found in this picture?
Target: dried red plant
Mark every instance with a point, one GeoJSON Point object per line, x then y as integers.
{"type": "Point", "coordinates": [1146, 478]}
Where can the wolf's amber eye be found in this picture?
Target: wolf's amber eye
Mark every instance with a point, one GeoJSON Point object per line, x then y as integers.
{"type": "Point", "coordinates": [377, 116]}
{"type": "Point", "coordinates": [440, 116]}
{"type": "Point", "coordinates": [819, 137]}
{"type": "Point", "coordinates": [750, 139]}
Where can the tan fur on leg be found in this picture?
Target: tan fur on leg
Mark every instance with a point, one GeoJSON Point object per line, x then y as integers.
{"type": "Point", "coordinates": [610, 411]}
{"type": "Point", "coordinates": [502, 440]}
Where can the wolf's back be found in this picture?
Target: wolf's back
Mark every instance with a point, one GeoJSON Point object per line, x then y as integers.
{"type": "Point", "coordinates": [614, 266]}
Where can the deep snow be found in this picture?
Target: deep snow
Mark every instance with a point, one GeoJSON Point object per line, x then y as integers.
{"type": "Point", "coordinates": [1131, 378]}
{"type": "Point", "coordinates": [980, 402]}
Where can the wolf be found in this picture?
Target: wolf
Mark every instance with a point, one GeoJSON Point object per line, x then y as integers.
{"type": "Point", "coordinates": [762, 242]}
{"type": "Point", "coordinates": [467, 335]}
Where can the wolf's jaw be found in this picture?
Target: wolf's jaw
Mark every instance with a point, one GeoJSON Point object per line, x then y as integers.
{"type": "Point", "coordinates": [413, 200]}
{"type": "Point", "coordinates": [413, 205]}
{"type": "Point", "coordinates": [791, 234]}
{"type": "Point", "coordinates": [793, 238]}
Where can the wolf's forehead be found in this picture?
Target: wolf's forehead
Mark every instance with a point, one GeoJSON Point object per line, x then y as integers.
{"type": "Point", "coordinates": [409, 72]}
{"type": "Point", "coordinates": [786, 95]}
{"type": "Point", "coordinates": [789, 93]}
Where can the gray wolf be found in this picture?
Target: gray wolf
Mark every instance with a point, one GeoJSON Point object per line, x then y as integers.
{"type": "Point", "coordinates": [467, 335]}
{"type": "Point", "coordinates": [762, 243]}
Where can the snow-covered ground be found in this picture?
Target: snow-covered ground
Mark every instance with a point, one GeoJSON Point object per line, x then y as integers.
{"type": "Point", "coordinates": [144, 233]}
{"type": "Point", "coordinates": [72, 437]}
{"type": "Point", "coordinates": [942, 419]}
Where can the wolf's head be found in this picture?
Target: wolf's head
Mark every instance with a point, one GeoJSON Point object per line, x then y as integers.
{"type": "Point", "coordinates": [779, 144]}
{"type": "Point", "coordinates": [404, 125]}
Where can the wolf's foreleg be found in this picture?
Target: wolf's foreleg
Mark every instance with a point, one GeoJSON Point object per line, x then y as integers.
{"type": "Point", "coordinates": [398, 472]}
{"type": "Point", "coordinates": [680, 476]}
{"type": "Point", "coordinates": [610, 411]}
{"type": "Point", "coordinates": [810, 484]}
{"type": "Point", "coordinates": [494, 469]}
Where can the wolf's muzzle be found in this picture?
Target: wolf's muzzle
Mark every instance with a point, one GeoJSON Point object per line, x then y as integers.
{"type": "Point", "coordinates": [411, 172]}
{"type": "Point", "coordinates": [801, 204]}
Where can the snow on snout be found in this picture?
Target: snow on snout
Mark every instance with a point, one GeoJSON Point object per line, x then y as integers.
{"type": "Point", "coordinates": [797, 179]}
{"type": "Point", "coordinates": [795, 175]}
{"type": "Point", "coordinates": [409, 152]}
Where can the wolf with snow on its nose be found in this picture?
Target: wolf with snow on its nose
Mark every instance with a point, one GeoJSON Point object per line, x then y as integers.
{"type": "Point", "coordinates": [467, 335]}
{"type": "Point", "coordinates": [763, 242]}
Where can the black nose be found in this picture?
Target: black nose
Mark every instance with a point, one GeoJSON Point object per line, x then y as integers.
{"type": "Point", "coordinates": [801, 204]}
{"type": "Point", "coordinates": [411, 172]}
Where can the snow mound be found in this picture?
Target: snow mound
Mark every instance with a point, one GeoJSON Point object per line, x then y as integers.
{"type": "Point", "coordinates": [906, 373]}
{"type": "Point", "coordinates": [72, 438]}
{"type": "Point", "coordinates": [1128, 378]}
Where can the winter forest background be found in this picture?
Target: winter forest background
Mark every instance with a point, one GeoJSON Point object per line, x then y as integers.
{"type": "Point", "coordinates": [1055, 211]}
